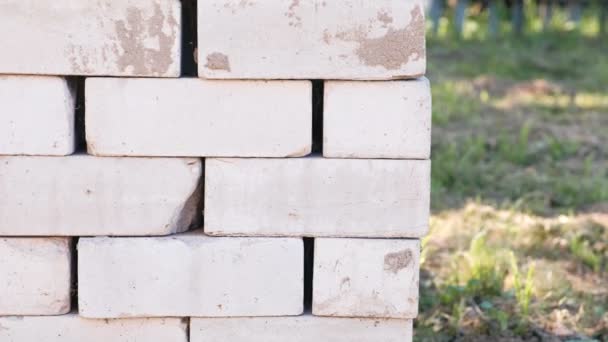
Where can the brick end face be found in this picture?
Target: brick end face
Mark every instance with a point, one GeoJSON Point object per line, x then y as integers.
{"type": "Point", "coordinates": [97, 196]}
{"type": "Point", "coordinates": [37, 116]}
{"type": "Point", "coordinates": [198, 118]}
{"type": "Point", "coordinates": [299, 329]}
{"type": "Point", "coordinates": [36, 276]}
{"type": "Point", "coordinates": [190, 275]}
{"type": "Point", "coordinates": [383, 40]}
{"type": "Point", "coordinates": [73, 328]}
{"type": "Point", "coordinates": [102, 38]}
{"type": "Point", "coordinates": [317, 197]}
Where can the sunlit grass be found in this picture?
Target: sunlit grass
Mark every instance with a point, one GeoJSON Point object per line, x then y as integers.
{"type": "Point", "coordinates": [490, 270]}
{"type": "Point", "coordinates": [559, 101]}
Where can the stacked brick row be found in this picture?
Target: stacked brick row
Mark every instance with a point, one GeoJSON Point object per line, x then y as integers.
{"type": "Point", "coordinates": [184, 218]}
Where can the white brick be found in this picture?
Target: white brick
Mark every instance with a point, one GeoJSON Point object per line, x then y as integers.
{"type": "Point", "coordinates": [100, 37]}
{"type": "Point", "coordinates": [190, 275]}
{"type": "Point", "coordinates": [36, 115]}
{"type": "Point", "coordinates": [317, 197]}
{"type": "Point", "coordinates": [35, 276]}
{"type": "Point", "coordinates": [84, 195]}
{"type": "Point", "coordinates": [299, 329]}
{"type": "Point", "coordinates": [72, 328]}
{"type": "Point", "coordinates": [295, 39]}
{"type": "Point", "coordinates": [366, 278]}
{"type": "Point", "coordinates": [193, 117]}
{"type": "Point", "coordinates": [377, 119]}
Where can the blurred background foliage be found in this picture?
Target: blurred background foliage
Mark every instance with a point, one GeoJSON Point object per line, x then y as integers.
{"type": "Point", "coordinates": [518, 247]}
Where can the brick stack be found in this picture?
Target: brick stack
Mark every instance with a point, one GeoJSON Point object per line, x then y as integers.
{"type": "Point", "coordinates": [138, 238]}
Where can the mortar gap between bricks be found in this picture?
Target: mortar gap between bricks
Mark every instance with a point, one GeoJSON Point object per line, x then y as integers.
{"type": "Point", "coordinates": [79, 113]}
{"type": "Point", "coordinates": [199, 220]}
{"type": "Point", "coordinates": [186, 320]}
{"type": "Point", "coordinates": [74, 280]}
{"type": "Point", "coordinates": [189, 38]}
{"type": "Point", "coordinates": [309, 260]}
{"type": "Point", "coordinates": [317, 116]}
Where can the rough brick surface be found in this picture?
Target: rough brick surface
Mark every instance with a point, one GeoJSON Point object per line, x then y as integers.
{"type": "Point", "coordinates": [366, 278]}
{"type": "Point", "coordinates": [317, 197]}
{"type": "Point", "coordinates": [84, 195]}
{"type": "Point", "coordinates": [97, 37]}
{"type": "Point", "coordinates": [299, 329]}
{"type": "Point", "coordinates": [72, 328]}
{"type": "Point", "coordinates": [293, 39]}
{"type": "Point", "coordinates": [190, 275]}
{"type": "Point", "coordinates": [377, 119]}
{"type": "Point", "coordinates": [193, 117]}
{"type": "Point", "coordinates": [36, 115]}
{"type": "Point", "coordinates": [35, 276]}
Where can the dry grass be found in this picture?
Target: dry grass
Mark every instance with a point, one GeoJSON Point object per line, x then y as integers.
{"type": "Point", "coordinates": [569, 289]}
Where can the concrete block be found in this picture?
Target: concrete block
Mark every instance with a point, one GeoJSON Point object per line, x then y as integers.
{"type": "Point", "coordinates": [377, 119]}
{"type": "Point", "coordinates": [317, 197]}
{"type": "Point", "coordinates": [73, 328]}
{"type": "Point", "coordinates": [100, 37]}
{"type": "Point", "coordinates": [84, 195]}
{"type": "Point", "coordinates": [37, 115]}
{"type": "Point", "coordinates": [315, 39]}
{"type": "Point", "coordinates": [366, 278]}
{"type": "Point", "coordinates": [299, 329]}
{"type": "Point", "coordinates": [35, 276]}
{"type": "Point", "coordinates": [194, 117]}
{"type": "Point", "coordinates": [190, 275]}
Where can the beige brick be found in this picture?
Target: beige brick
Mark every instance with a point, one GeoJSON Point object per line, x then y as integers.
{"type": "Point", "coordinates": [72, 328]}
{"type": "Point", "coordinates": [35, 276]}
{"type": "Point", "coordinates": [100, 37]}
{"type": "Point", "coordinates": [293, 39]}
{"type": "Point", "coordinates": [317, 197]}
{"type": "Point", "coordinates": [193, 117]}
{"type": "Point", "coordinates": [36, 115]}
{"type": "Point", "coordinates": [190, 275]}
{"type": "Point", "coordinates": [85, 195]}
{"type": "Point", "coordinates": [377, 119]}
{"type": "Point", "coordinates": [366, 278]}
{"type": "Point", "coordinates": [299, 329]}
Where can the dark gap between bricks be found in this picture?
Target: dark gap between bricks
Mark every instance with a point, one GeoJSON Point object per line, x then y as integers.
{"type": "Point", "coordinates": [317, 116]}
{"type": "Point", "coordinates": [189, 38]}
{"type": "Point", "coordinates": [199, 221]}
{"type": "Point", "coordinates": [74, 280]}
{"type": "Point", "coordinates": [79, 123]}
{"type": "Point", "coordinates": [309, 259]}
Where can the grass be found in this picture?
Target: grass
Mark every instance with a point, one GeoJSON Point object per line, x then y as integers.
{"type": "Point", "coordinates": [518, 248]}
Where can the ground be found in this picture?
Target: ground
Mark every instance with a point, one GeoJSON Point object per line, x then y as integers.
{"type": "Point", "coordinates": [518, 243]}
